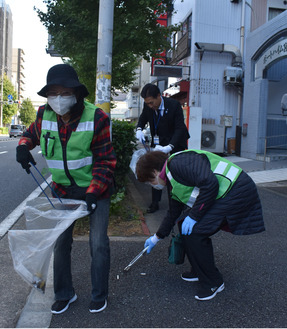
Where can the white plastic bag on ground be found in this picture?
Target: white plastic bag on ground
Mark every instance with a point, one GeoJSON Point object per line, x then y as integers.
{"type": "Point", "coordinates": [31, 249]}
{"type": "Point", "coordinates": [136, 155]}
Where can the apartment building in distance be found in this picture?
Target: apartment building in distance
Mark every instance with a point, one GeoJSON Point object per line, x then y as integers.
{"type": "Point", "coordinates": [6, 37]}
{"type": "Point", "coordinates": [18, 75]}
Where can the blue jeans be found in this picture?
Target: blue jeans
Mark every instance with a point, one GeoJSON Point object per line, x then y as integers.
{"type": "Point", "coordinates": [100, 257]}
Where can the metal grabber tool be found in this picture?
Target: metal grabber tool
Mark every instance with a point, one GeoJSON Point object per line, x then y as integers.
{"type": "Point", "coordinates": [135, 259]}
{"type": "Point", "coordinates": [61, 206]}
{"type": "Point", "coordinates": [146, 146]}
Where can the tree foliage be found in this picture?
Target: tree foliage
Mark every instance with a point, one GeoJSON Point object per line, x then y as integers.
{"type": "Point", "coordinates": [8, 110]}
{"type": "Point", "coordinates": [27, 112]}
{"type": "Point", "coordinates": [73, 25]}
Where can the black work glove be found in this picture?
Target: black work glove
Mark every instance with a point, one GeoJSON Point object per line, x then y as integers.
{"type": "Point", "coordinates": [24, 156]}
{"type": "Point", "coordinates": [91, 201]}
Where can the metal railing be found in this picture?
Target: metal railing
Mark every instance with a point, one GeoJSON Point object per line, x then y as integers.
{"type": "Point", "coordinates": [278, 146]}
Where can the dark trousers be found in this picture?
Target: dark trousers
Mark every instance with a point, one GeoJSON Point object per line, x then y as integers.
{"type": "Point", "coordinates": [100, 257]}
{"type": "Point", "coordinates": [199, 252]}
{"type": "Point", "coordinates": [155, 195]}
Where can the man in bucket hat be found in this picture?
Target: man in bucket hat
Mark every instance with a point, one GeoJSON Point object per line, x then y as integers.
{"type": "Point", "coordinates": [74, 136]}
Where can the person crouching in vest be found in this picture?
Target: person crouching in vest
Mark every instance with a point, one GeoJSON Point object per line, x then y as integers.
{"type": "Point", "coordinates": [74, 136]}
{"type": "Point", "coordinates": [208, 193]}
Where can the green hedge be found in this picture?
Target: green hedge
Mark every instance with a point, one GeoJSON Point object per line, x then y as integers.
{"type": "Point", "coordinates": [124, 143]}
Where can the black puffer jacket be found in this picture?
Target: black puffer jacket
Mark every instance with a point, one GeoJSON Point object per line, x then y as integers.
{"type": "Point", "coordinates": [240, 209]}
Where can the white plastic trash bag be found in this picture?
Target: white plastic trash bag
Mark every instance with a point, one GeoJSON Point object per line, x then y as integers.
{"type": "Point", "coordinates": [135, 157]}
{"type": "Point", "coordinates": [39, 213]}
{"type": "Point", "coordinates": [31, 249]}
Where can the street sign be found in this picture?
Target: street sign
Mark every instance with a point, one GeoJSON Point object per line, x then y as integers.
{"type": "Point", "coordinates": [10, 102]}
{"type": "Point", "coordinates": [10, 97]}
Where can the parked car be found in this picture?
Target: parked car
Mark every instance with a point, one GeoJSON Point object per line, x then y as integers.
{"type": "Point", "coordinates": [16, 130]}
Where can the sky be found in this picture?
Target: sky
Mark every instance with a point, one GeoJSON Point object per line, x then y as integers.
{"type": "Point", "coordinates": [30, 35]}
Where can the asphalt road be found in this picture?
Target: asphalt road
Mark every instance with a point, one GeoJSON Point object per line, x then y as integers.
{"type": "Point", "coordinates": [152, 294]}
{"type": "Point", "coordinates": [15, 183]}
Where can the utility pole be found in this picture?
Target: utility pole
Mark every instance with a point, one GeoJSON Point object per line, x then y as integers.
{"type": "Point", "coordinates": [3, 62]}
{"type": "Point", "coordinates": [104, 55]}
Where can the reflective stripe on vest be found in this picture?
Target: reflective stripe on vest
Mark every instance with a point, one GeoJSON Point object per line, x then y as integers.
{"type": "Point", "coordinates": [190, 196]}
{"type": "Point", "coordinates": [225, 171]}
{"type": "Point", "coordinates": [77, 157]}
{"type": "Point", "coordinates": [232, 172]}
{"type": "Point", "coordinates": [82, 126]}
{"type": "Point", "coordinates": [72, 164]}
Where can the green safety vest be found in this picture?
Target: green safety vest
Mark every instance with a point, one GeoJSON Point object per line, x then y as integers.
{"type": "Point", "coordinates": [77, 157]}
{"type": "Point", "coordinates": [226, 173]}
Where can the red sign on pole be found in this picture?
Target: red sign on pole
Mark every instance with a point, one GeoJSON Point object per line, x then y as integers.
{"type": "Point", "coordinates": [160, 59]}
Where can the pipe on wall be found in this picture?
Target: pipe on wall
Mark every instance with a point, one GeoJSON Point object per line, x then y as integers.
{"type": "Point", "coordinates": [220, 48]}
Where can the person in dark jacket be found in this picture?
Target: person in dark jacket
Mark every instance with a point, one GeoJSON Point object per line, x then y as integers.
{"type": "Point", "coordinates": [74, 136]}
{"type": "Point", "coordinates": [208, 193]}
{"type": "Point", "coordinates": [168, 130]}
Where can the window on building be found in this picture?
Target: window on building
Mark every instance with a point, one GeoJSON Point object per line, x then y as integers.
{"type": "Point", "coordinates": [273, 12]}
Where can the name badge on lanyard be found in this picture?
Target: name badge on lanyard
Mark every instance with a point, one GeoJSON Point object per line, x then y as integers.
{"type": "Point", "coordinates": [156, 140]}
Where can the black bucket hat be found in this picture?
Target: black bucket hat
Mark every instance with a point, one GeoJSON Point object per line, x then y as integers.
{"type": "Point", "coordinates": [63, 75]}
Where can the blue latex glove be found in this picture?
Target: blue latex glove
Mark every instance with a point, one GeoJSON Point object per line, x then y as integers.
{"type": "Point", "coordinates": [151, 242]}
{"type": "Point", "coordinates": [187, 225]}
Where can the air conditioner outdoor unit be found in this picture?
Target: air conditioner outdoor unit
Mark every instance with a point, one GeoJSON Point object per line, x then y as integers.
{"type": "Point", "coordinates": [212, 138]}
{"type": "Point", "coordinates": [233, 76]}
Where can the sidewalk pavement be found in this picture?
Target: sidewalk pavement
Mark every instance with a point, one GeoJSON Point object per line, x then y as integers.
{"type": "Point", "coordinates": [152, 294]}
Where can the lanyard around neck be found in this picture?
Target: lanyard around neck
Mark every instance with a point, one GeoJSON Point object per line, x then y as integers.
{"type": "Point", "coordinates": [154, 120]}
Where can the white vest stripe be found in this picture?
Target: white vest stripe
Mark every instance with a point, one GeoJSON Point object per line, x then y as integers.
{"type": "Point", "coordinates": [86, 126]}
{"type": "Point", "coordinates": [169, 176]}
{"type": "Point", "coordinates": [76, 164]}
{"type": "Point", "coordinates": [195, 193]}
{"type": "Point", "coordinates": [193, 196]}
{"type": "Point", "coordinates": [82, 126]}
{"type": "Point", "coordinates": [232, 172]}
{"type": "Point", "coordinates": [220, 168]}
{"type": "Point", "coordinates": [49, 125]}
{"type": "Point", "coordinates": [72, 164]}
{"type": "Point", "coordinates": [55, 164]}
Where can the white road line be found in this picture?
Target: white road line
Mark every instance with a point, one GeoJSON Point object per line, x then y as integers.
{"type": "Point", "coordinates": [3, 152]}
{"type": "Point", "coordinates": [11, 219]}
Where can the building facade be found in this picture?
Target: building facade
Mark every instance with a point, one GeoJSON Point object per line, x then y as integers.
{"type": "Point", "coordinates": [228, 68]}
{"type": "Point", "coordinates": [208, 47]}
{"type": "Point", "coordinates": [133, 100]}
{"type": "Point", "coordinates": [265, 80]}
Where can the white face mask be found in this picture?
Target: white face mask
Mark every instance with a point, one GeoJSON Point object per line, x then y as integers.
{"type": "Point", "coordinates": [157, 186]}
{"type": "Point", "coordinates": [61, 104]}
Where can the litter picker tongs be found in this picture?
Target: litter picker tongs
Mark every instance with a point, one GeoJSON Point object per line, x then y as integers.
{"type": "Point", "coordinates": [61, 206]}
{"type": "Point", "coordinates": [135, 259]}
{"type": "Point", "coordinates": [146, 146]}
